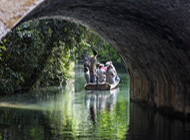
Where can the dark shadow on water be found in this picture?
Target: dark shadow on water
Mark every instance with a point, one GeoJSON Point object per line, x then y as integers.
{"type": "Point", "coordinates": [148, 124]}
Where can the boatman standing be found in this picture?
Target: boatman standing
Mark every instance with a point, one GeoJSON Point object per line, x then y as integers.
{"type": "Point", "coordinates": [92, 67]}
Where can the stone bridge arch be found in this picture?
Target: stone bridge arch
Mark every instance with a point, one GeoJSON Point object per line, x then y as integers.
{"type": "Point", "coordinates": [151, 36]}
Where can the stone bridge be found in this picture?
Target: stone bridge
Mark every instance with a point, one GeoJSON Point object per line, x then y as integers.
{"type": "Point", "coordinates": [151, 36]}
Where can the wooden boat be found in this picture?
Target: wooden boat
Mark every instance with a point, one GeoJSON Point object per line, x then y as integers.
{"type": "Point", "coordinates": [101, 86]}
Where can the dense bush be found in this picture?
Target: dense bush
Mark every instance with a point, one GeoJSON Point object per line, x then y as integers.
{"type": "Point", "coordinates": [35, 49]}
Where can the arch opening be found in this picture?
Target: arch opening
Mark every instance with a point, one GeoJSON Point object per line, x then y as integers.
{"type": "Point", "coordinates": [43, 53]}
{"type": "Point", "coordinates": [151, 37]}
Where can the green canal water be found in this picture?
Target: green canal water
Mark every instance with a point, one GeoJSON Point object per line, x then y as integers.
{"type": "Point", "coordinates": [72, 113]}
{"type": "Point", "coordinates": [66, 113]}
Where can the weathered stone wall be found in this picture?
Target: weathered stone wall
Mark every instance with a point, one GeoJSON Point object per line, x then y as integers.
{"type": "Point", "coordinates": [151, 36]}
{"type": "Point", "coordinates": [12, 11]}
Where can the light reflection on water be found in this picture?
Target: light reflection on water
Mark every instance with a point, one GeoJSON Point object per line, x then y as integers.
{"type": "Point", "coordinates": [73, 113]}
{"type": "Point", "coordinates": [67, 113]}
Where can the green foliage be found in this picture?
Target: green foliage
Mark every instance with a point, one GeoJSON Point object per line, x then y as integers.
{"type": "Point", "coordinates": [2, 48]}
{"type": "Point", "coordinates": [57, 68]}
{"type": "Point", "coordinates": [92, 41]}
{"type": "Point", "coordinates": [39, 53]}
{"type": "Point", "coordinates": [29, 50]}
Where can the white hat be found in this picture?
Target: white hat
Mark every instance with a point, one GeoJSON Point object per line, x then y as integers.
{"type": "Point", "coordinates": [101, 65]}
{"type": "Point", "coordinates": [108, 63]}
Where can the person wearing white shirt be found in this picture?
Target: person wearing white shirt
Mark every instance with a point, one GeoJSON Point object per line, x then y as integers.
{"type": "Point", "coordinates": [101, 74]}
{"type": "Point", "coordinates": [87, 74]}
{"type": "Point", "coordinates": [110, 75]}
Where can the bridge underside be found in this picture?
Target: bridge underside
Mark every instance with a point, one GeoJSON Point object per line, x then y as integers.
{"type": "Point", "coordinates": [152, 38]}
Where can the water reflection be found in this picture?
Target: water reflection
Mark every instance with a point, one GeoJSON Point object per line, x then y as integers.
{"type": "Point", "coordinates": [62, 114]}
{"type": "Point", "coordinates": [96, 100]}
{"type": "Point", "coordinates": [148, 124]}
{"type": "Point", "coordinates": [73, 113]}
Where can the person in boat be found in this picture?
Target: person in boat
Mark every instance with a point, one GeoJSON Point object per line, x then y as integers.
{"type": "Point", "coordinates": [86, 59]}
{"type": "Point", "coordinates": [116, 75]}
{"type": "Point", "coordinates": [106, 65]}
{"type": "Point", "coordinates": [110, 75]}
{"type": "Point", "coordinates": [92, 66]}
{"type": "Point", "coordinates": [101, 73]}
{"type": "Point", "coordinates": [87, 74]}
{"type": "Point", "coordinates": [110, 63]}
